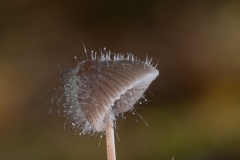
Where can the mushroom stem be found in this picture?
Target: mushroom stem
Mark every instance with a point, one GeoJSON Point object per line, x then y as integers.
{"type": "Point", "coordinates": [111, 155]}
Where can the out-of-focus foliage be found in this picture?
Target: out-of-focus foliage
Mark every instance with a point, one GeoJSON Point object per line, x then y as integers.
{"type": "Point", "coordinates": [194, 112]}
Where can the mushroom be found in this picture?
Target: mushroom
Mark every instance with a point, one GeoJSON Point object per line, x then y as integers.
{"type": "Point", "coordinates": [102, 88]}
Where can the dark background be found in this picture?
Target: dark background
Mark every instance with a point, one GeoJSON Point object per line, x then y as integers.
{"type": "Point", "coordinates": [195, 110]}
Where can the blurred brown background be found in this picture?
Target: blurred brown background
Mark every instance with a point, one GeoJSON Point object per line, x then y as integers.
{"type": "Point", "coordinates": [195, 110]}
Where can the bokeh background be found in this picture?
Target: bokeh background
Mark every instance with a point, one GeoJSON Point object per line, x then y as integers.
{"type": "Point", "coordinates": [194, 112]}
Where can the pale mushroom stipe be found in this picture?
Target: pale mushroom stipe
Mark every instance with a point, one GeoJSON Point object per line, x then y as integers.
{"type": "Point", "coordinates": [101, 88]}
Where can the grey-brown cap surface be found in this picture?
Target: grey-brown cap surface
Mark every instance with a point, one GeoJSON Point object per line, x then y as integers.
{"type": "Point", "coordinates": [101, 88]}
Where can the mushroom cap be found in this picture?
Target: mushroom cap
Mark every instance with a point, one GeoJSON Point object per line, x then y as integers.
{"type": "Point", "coordinates": [99, 89]}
